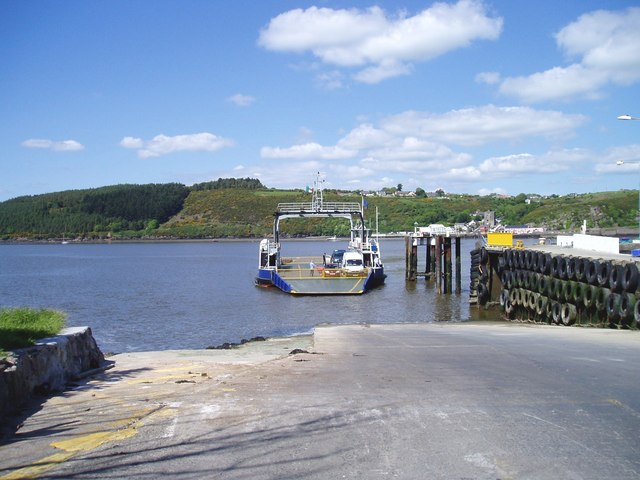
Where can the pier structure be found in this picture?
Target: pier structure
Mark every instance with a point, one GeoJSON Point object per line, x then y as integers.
{"type": "Point", "coordinates": [440, 257]}
{"type": "Point", "coordinates": [583, 280]}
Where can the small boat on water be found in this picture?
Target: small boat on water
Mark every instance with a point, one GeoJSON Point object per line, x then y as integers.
{"type": "Point", "coordinates": [349, 271]}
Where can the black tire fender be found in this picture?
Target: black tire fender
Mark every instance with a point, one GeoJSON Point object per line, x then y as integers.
{"type": "Point", "coordinates": [627, 306]}
{"type": "Point", "coordinates": [571, 263]}
{"type": "Point", "coordinates": [589, 293]}
{"type": "Point", "coordinates": [555, 312]}
{"type": "Point", "coordinates": [555, 261]}
{"type": "Point", "coordinates": [616, 274]}
{"type": "Point", "coordinates": [568, 314]}
{"type": "Point", "coordinates": [630, 277]}
{"type": "Point", "coordinates": [613, 306]}
{"type": "Point", "coordinates": [580, 266]}
{"type": "Point", "coordinates": [602, 295]}
{"type": "Point", "coordinates": [603, 272]}
{"type": "Point", "coordinates": [591, 271]}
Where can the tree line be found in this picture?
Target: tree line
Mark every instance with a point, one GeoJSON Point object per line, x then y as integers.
{"type": "Point", "coordinates": [83, 212]}
{"type": "Point", "coordinates": [242, 183]}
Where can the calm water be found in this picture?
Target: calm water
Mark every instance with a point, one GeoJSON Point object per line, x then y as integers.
{"type": "Point", "coordinates": [155, 296]}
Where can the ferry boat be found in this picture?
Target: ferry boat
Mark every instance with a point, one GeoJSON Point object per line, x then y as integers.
{"type": "Point", "coordinates": [353, 270]}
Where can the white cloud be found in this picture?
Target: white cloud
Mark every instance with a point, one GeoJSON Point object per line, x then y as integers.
{"type": "Point", "coordinates": [164, 145]}
{"type": "Point", "coordinates": [467, 174]}
{"type": "Point", "coordinates": [489, 191]}
{"type": "Point", "coordinates": [131, 142]}
{"type": "Point", "coordinates": [307, 151]}
{"type": "Point", "coordinates": [60, 146]}
{"type": "Point", "coordinates": [332, 80]}
{"type": "Point", "coordinates": [410, 153]}
{"type": "Point", "coordinates": [379, 45]}
{"type": "Point", "coordinates": [420, 146]}
{"type": "Point", "coordinates": [517, 165]}
{"type": "Point", "coordinates": [482, 125]}
{"type": "Point", "coordinates": [241, 100]}
{"type": "Point", "coordinates": [490, 78]}
{"type": "Point", "coordinates": [365, 136]}
{"type": "Point", "coordinates": [382, 71]}
{"type": "Point", "coordinates": [606, 44]}
{"type": "Point", "coordinates": [629, 155]}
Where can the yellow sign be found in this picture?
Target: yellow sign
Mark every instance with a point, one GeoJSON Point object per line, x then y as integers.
{"type": "Point", "coordinates": [500, 239]}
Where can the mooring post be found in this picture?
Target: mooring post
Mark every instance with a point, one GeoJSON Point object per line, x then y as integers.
{"type": "Point", "coordinates": [438, 264]}
{"type": "Point", "coordinates": [448, 270]}
{"type": "Point", "coordinates": [411, 258]}
{"type": "Point", "coordinates": [427, 263]}
{"type": "Point", "coordinates": [407, 259]}
{"type": "Point", "coordinates": [458, 267]}
{"type": "Point", "coordinates": [432, 249]}
{"type": "Point", "coordinates": [414, 259]}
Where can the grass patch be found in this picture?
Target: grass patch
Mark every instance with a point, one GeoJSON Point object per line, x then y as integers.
{"type": "Point", "coordinates": [21, 327]}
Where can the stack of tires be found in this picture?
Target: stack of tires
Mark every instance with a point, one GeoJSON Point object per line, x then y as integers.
{"type": "Point", "coordinates": [480, 275]}
{"type": "Point", "coordinates": [563, 289]}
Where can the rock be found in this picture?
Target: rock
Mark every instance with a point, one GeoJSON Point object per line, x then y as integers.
{"type": "Point", "coordinates": [296, 351]}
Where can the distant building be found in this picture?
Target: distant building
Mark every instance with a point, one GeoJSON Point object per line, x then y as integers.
{"type": "Point", "coordinates": [489, 219]}
{"type": "Point", "coordinates": [405, 194]}
{"type": "Point", "coordinates": [523, 229]}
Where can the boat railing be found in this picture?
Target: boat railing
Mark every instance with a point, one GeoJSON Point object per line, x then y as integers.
{"type": "Point", "coordinates": [324, 207]}
{"type": "Point", "coordinates": [321, 273]}
{"type": "Point", "coordinates": [308, 268]}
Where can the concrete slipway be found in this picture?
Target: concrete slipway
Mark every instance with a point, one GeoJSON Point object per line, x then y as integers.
{"type": "Point", "coordinates": [446, 401]}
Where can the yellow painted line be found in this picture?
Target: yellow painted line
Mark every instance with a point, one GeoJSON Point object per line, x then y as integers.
{"type": "Point", "coordinates": [70, 447]}
{"type": "Point", "coordinates": [38, 468]}
{"type": "Point", "coordinates": [356, 285]}
{"type": "Point", "coordinates": [163, 378]}
{"type": "Point", "coordinates": [183, 367]}
{"type": "Point", "coordinates": [134, 417]}
{"type": "Point", "coordinates": [94, 440]}
{"type": "Point", "coordinates": [84, 443]}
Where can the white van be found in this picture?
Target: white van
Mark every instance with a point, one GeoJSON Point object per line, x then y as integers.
{"type": "Point", "coordinates": [352, 261]}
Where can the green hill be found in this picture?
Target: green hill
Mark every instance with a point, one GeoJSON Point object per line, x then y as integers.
{"type": "Point", "coordinates": [244, 208]}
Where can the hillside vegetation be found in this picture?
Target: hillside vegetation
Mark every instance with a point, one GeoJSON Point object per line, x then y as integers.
{"type": "Point", "coordinates": [244, 208]}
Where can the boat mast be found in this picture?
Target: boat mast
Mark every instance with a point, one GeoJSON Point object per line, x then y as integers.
{"type": "Point", "coordinates": [317, 198]}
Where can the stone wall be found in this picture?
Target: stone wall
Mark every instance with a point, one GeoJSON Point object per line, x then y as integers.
{"type": "Point", "coordinates": [47, 367]}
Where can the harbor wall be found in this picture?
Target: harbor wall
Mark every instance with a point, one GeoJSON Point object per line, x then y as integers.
{"type": "Point", "coordinates": [47, 367]}
{"type": "Point", "coordinates": [570, 287]}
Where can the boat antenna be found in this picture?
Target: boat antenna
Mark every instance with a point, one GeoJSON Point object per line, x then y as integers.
{"type": "Point", "coordinates": [377, 231]}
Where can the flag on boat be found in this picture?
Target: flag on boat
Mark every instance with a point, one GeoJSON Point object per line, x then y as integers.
{"type": "Point", "coordinates": [365, 204]}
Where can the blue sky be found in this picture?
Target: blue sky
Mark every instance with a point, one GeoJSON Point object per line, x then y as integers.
{"type": "Point", "coordinates": [469, 96]}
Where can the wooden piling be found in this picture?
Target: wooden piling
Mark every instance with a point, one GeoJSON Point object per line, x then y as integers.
{"type": "Point", "coordinates": [428, 269]}
{"type": "Point", "coordinates": [438, 262]}
{"type": "Point", "coordinates": [438, 272]}
{"type": "Point", "coordinates": [414, 259]}
{"type": "Point", "coordinates": [448, 270]}
{"type": "Point", "coordinates": [408, 260]}
{"type": "Point", "coordinates": [458, 267]}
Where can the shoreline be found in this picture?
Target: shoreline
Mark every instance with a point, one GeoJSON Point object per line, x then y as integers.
{"type": "Point", "coordinates": [621, 233]}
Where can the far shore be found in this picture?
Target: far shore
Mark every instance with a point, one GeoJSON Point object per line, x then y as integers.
{"type": "Point", "coordinates": [619, 232]}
